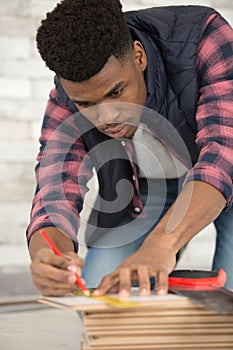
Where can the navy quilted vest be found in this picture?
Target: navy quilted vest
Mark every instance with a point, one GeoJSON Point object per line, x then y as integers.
{"type": "Point", "coordinates": [170, 36]}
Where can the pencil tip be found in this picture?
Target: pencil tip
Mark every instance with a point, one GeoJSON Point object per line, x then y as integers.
{"type": "Point", "coordinates": [86, 293]}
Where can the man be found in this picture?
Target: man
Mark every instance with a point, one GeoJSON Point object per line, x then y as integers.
{"type": "Point", "coordinates": [158, 79]}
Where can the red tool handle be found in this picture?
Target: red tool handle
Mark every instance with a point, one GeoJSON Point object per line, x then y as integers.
{"type": "Point", "coordinates": [195, 279]}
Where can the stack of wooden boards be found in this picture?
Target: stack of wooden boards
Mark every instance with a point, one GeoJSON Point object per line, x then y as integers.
{"type": "Point", "coordinates": [157, 322]}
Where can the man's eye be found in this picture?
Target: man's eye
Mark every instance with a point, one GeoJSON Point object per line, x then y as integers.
{"type": "Point", "coordinates": [82, 104]}
{"type": "Point", "coordinates": [117, 93]}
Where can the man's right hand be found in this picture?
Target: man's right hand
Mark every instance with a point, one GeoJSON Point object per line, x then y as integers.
{"type": "Point", "coordinates": [54, 275]}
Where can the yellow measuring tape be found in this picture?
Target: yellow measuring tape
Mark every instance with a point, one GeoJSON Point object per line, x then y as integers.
{"type": "Point", "coordinates": [109, 300]}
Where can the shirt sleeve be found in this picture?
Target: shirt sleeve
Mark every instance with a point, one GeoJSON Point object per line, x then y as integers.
{"type": "Point", "coordinates": [62, 172]}
{"type": "Point", "coordinates": [214, 114]}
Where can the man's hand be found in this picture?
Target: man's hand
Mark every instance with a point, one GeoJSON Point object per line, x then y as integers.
{"type": "Point", "coordinates": [197, 206]}
{"type": "Point", "coordinates": [53, 275]}
{"type": "Point", "coordinates": [151, 260]}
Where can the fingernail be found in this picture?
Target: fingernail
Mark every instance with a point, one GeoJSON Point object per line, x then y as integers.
{"type": "Point", "coordinates": [124, 293]}
{"type": "Point", "coordinates": [144, 291]}
{"type": "Point", "coordinates": [72, 279]}
{"type": "Point", "coordinates": [72, 268]}
{"type": "Point", "coordinates": [96, 292]}
{"type": "Point", "coordinates": [161, 291]}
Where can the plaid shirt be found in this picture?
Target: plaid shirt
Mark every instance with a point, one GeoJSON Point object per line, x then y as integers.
{"type": "Point", "coordinates": [64, 165]}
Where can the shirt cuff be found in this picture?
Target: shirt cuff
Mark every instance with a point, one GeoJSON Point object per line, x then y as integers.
{"type": "Point", "coordinates": [213, 176]}
{"type": "Point", "coordinates": [45, 221]}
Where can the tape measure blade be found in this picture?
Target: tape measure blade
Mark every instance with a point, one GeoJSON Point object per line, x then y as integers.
{"type": "Point", "coordinates": [115, 302]}
{"type": "Point", "coordinates": [220, 300]}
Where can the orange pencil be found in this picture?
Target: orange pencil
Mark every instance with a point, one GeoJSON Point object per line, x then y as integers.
{"type": "Point", "coordinates": [79, 282]}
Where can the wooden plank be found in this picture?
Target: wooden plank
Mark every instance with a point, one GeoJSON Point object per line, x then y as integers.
{"type": "Point", "coordinates": [148, 312]}
{"type": "Point", "coordinates": [85, 345]}
{"type": "Point", "coordinates": [222, 346]}
{"type": "Point", "coordinates": [166, 320]}
{"type": "Point", "coordinates": [144, 327]}
{"type": "Point", "coordinates": [168, 340]}
{"type": "Point", "coordinates": [160, 332]}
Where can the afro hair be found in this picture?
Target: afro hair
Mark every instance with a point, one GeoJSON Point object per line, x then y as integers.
{"type": "Point", "coordinates": [77, 37]}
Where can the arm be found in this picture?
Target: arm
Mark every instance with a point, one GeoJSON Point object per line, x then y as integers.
{"type": "Point", "coordinates": [208, 186]}
{"type": "Point", "coordinates": [61, 240]}
{"type": "Point", "coordinates": [62, 172]}
{"type": "Point", "coordinates": [214, 109]}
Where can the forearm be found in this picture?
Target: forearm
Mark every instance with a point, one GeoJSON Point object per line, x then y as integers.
{"type": "Point", "coordinates": [197, 206]}
{"type": "Point", "coordinates": [63, 242]}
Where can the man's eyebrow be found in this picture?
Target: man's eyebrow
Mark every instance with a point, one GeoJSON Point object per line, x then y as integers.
{"type": "Point", "coordinates": [115, 88]}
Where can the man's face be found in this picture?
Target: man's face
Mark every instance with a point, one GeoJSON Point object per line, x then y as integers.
{"type": "Point", "coordinates": [118, 81]}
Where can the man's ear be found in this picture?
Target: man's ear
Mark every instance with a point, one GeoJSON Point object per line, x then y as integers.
{"type": "Point", "coordinates": [140, 55]}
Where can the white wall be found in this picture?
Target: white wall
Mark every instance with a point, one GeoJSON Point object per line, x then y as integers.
{"type": "Point", "coordinates": [24, 88]}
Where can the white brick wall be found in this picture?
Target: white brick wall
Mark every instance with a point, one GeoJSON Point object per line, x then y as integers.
{"type": "Point", "coordinates": [24, 88]}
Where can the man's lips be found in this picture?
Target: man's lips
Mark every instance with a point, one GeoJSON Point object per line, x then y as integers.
{"type": "Point", "coordinates": [114, 130]}
{"type": "Point", "coordinates": [120, 128]}
{"type": "Point", "coordinates": [115, 127]}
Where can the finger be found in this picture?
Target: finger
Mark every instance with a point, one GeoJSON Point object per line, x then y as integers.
{"type": "Point", "coordinates": [144, 280]}
{"type": "Point", "coordinates": [114, 289]}
{"type": "Point", "coordinates": [73, 264]}
{"type": "Point", "coordinates": [125, 281]}
{"type": "Point", "coordinates": [49, 272]}
{"type": "Point", "coordinates": [75, 258]}
{"type": "Point", "coordinates": [107, 283]}
{"type": "Point", "coordinates": [53, 288]}
{"type": "Point", "coordinates": [162, 282]}
{"type": "Point", "coordinates": [76, 263]}
{"type": "Point", "coordinates": [47, 256]}
{"type": "Point", "coordinates": [77, 270]}
{"type": "Point", "coordinates": [53, 281]}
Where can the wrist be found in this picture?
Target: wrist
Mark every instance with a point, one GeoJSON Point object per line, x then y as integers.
{"type": "Point", "coordinates": [162, 240]}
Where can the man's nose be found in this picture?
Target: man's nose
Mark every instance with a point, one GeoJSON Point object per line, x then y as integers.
{"type": "Point", "coordinates": [107, 113]}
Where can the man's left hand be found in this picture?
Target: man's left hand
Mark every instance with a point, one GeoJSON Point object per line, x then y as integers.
{"type": "Point", "coordinates": [151, 260]}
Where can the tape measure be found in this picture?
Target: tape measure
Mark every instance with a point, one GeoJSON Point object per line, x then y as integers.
{"type": "Point", "coordinates": [108, 300]}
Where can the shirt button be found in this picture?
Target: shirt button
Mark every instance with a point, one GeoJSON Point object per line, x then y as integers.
{"type": "Point", "coordinates": [123, 143]}
{"type": "Point", "coordinates": [133, 177]}
{"type": "Point", "coordinates": [137, 209]}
